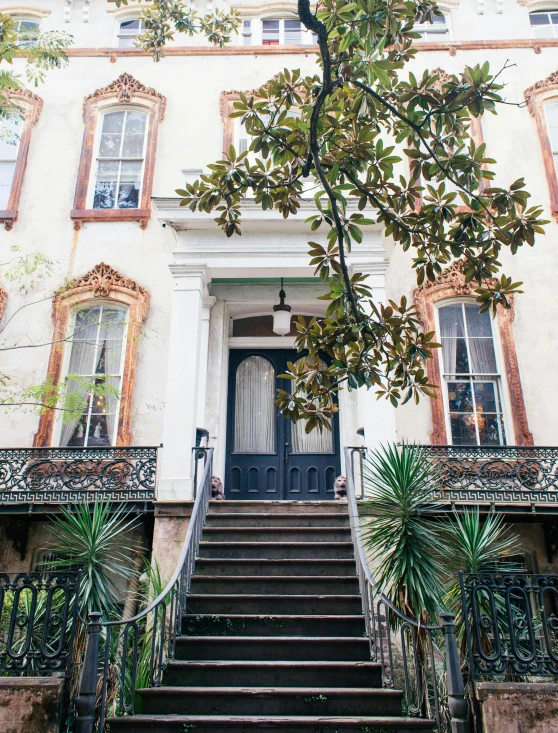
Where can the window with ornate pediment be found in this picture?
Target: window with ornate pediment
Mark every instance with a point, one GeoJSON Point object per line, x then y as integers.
{"type": "Point", "coordinates": [98, 318]}
{"type": "Point", "coordinates": [481, 399]}
{"type": "Point", "coordinates": [15, 139]}
{"type": "Point", "coordinates": [115, 177]}
{"type": "Point", "coordinates": [542, 102]}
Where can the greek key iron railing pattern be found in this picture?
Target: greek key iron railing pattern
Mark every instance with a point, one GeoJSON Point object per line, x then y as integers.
{"type": "Point", "coordinates": [133, 652]}
{"type": "Point", "coordinates": [67, 475]}
{"type": "Point", "coordinates": [38, 614]}
{"type": "Point", "coordinates": [497, 475]}
{"type": "Point", "coordinates": [391, 634]}
{"type": "Point", "coordinates": [511, 624]}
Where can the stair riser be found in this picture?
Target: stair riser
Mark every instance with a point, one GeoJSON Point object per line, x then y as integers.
{"type": "Point", "coordinates": [276, 551]}
{"type": "Point", "coordinates": [275, 605]}
{"type": "Point", "coordinates": [276, 586]}
{"type": "Point", "coordinates": [272, 626]}
{"type": "Point", "coordinates": [276, 568]}
{"type": "Point", "coordinates": [350, 650]}
{"type": "Point", "coordinates": [277, 534]}
{"type": "Point", "coordinates": [272, 676]}
{"type": "Point", "coordinates": [277, 507]}
{"type": "Point", "coordinates": [339, 521]}
{"type": "Point", "coordinates": [136, 725]}
{"type": "Point", "coordinates": [161, 702]}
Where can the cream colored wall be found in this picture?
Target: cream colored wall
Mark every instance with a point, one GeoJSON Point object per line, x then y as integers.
{"type": "Point", "coordinates": [191, 137]}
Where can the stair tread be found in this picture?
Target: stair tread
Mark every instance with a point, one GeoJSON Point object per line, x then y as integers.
{"type": "Point", "coordinates": [282, 617]}
{"type": "Point", "coordinates": [274, 560]}
{"type": "Point", "coordinates": [325, 578]}
{"type": "Point", "coordinates": [242, 543]}
{"type": "Point", "coordinates": [271, 664]}
{"type": "Point", "coordinates": [265, 719]}
{"type": "Point", "coordinates": [328, 639]}
{"type": "Point", "coordinates": [273, 595]}
{"type": "Point", "coordinates": [245, 690]}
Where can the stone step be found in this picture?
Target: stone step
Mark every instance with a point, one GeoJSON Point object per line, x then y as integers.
{"type": "Point", "coordinates": [280, 507]}
{"type": "Point", "coordinates": [276, 534]}
{"type": "Point", "coordinates": [274, 551]}
{"type": "Point", "coordinates": [273, 674]}
{"type": "Point", "coordinates": [331, 605]}
{"type": "Point", "coordinates": [263, 701]}
{"type": "Point", "coordinates": [277, 724]}
{"type": "Point", "coordinates": [251, 625]}
{"type": "Point", "coordinates": [274, 585]}
{"type": "Point", "coordinates": [270, 567]}
{"type": "Point", "coordinates": [276, 519]}
{"type": "Point", "coordinates": [282, 648]}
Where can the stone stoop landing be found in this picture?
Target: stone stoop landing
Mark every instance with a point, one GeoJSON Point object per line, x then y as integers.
{"type": "Point", "coordinates": [274, 637]}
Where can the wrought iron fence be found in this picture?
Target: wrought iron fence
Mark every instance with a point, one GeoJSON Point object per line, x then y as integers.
{"type": "Point", "coordinates": [511, 624]}
{"type": "Point", "coordinates": [134, 651]}
{"type": "Point", "coordinates": [517, 477]}
{"type": "Point", "coordinates": [38, 613]}
{"type": "Point", "coordinates": [431, 671]}
{"type": "Point", "coordinates": [67, 475]}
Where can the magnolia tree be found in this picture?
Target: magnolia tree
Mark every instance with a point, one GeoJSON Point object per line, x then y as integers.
{"type": "Point", "coordinates": [334, 127]}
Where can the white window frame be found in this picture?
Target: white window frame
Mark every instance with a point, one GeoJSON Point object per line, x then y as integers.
{"type": "Point", "coordinates": [439, 35]}
{"type": "Point", "coordinates": [104, 302]}
{"type": "Point", "coordinates": [117, 34]}
{"type": "Point", "coordinates": [97, 141]}
{"type": "Point", "coordinates": [499, 378]}
{"type": "Point", "coordinates": [545, 11]}
{"type": "Point", "coordinates": [21, 114]}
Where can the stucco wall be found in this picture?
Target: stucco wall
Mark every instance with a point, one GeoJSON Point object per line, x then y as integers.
{"type": "Point", "coordinates": [30, 704]}
{"type": "Point", "coordinates": [509, 707]}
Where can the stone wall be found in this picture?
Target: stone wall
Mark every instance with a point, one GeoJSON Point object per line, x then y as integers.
{"type": "Point", "coordinates": [30, 704]}
{"type": "Point", "coordinates": [514, 707]}
{"type": "Point", "coordinates": [169, 532]}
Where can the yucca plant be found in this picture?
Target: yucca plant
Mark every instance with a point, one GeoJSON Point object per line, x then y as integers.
{"type": "Point", "coordinates": [401, 538]}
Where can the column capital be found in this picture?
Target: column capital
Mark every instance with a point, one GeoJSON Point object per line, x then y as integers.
{"type": "Point", "coordinates": [190, 276]}
{"type": "Point", "coordinates": [209, 301]}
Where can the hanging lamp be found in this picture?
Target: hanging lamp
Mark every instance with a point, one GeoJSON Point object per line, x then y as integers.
{"type": "Point", "coordinates": [281, 315]}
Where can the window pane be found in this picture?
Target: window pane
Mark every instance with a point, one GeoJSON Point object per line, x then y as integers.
{"type": "Point", "coordinates": [98, 433]}
{"type": "Point", "coordinates": [460, 398]}
{"type": "Point", "coordinates": [254, 430]}
{"type": "Point", "coordinates": [113, 122]}
{"type": "Point", "coordinates": [270, 32]}
{"type": "Point", "coordinates": [483, 358]}
{"type": "Point", "coordinates": [111, 334]}
{"type": "Point", "coordinates": [10, 131]}
{"type": "Point", "coordinates": [486, 397]}
{"type": "Point", "coordinates": [105, 187]}
{"type": "Point", "coordinates": [130, 26]}
{"type": "Point", "coordinates": [7, 171]}
{"type": "Point", "coordinates": [292, 32]}
{"type": "Point", "coordinates": [111, 135]}
{"type": "Point", "coordinates": [84, 339]}
{"type": "Point", "coordinates": [454, 352]}
{"type": "Point", "coordinates": [478, 324]}
{"type": "Point", "coordinates": [462, 429]}
{"type": "Point", "coordinates": [451, 321]}
{"type": "Point", "coordinates": [130, 182]}
{"type": "Point", "coordinates": [314, 442]}
{"type": "Point", "coordinates": [134, 135]}
{"type": "Point", "coordinates": [76, 432]}
{"type": "Point", "coordinates": [539, 19]}
{"type": "Point", "coordinates": [552, 122]}
{"type": "Point", "coordinates": [489, 433]}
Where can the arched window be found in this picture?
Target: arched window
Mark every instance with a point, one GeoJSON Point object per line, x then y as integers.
{"type": "Point", "coordinates": [120, 159]}
{"type": "Point", "coordinates": [128, 31]}
{"type": "Point", "coordinates": [115, 176]}
{"type": "Point", "coordinates": [96, 356]}
{"type": "Point", "coordinates": [551, 113]}
{"type": "Point", "coordinates": [10, 140]}
{"type": "Point", "coordinates": [542, 102]}
{"type": "Point", "coordinates": [254, 430]}
{"type": "Point", "coordinates": [544, 23]}
{"type": "Point", "coordinates": [436, 31]}
{"type": "Point", "coordinates": [471, 376]}
{"type": "Point", "coordinates": [276, 31]}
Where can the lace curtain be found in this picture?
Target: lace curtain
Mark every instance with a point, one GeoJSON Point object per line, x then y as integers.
{"type": "Point", "coordinates": [254, 430]}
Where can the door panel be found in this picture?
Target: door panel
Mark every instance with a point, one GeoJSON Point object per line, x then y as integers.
{"type": "Point", "coordinates": [269, 457]}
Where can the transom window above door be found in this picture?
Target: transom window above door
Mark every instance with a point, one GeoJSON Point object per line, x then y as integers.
{"type": "Point", "coordinates": [120, 160]}
{"type": "Point", "coordinates": [471, 376]}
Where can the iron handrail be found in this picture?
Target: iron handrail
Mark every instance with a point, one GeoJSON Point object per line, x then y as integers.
{"type": "Point", "coordinates": [418, 657]}
{"type": "Point", "coordinates": [162, 618]}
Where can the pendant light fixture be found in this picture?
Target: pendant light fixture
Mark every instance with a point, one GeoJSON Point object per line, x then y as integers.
{"type": "Point", "coordinates": [281, 315]}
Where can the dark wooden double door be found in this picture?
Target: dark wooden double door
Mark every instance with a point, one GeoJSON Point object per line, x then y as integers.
{"type": "Point", "coordinates": [269, 457]}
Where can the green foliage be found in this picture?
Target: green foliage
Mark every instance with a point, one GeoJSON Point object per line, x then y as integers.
{"type": "Point", "coordinates": [398, 484]}
{"type": "Point", "coordinates": [27, 269]}
{"type": "Point", "coordinates": [98, 541]}
{"type": "Point", "coordinates": [165, 17]}
{"type": "Point", "coordinates": [41, 51]}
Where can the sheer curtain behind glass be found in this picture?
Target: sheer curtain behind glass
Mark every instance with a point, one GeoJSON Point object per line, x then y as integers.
{"type": "Point", "coordinates": [97, 349]}
{"type": "Point", "coordinates": [314, 442]}
{"type": "Point", "coordinates": [254, 430]}
{"type": "Point", "coordinates": [471, 377]}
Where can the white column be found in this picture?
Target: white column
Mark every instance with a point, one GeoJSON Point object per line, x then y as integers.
{"type": "Point", "coordinates": [208, 303]}
{"type": "Point", "coordinates": [377, 417]}
{"type": "Point", "coordinates": [181, 405]}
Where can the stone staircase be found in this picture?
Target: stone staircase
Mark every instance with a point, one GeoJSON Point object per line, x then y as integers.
{"type": "Point", "coordinates": [274, 636]}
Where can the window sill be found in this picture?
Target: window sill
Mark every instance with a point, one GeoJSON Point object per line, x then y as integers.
{"type": "Point", "coordinates": [8, 217]}
{"type": "Point", "coordinates": [81, 215]}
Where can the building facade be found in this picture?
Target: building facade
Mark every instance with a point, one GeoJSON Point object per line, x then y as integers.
{"type": "Point", "coordinates": [180, 317]}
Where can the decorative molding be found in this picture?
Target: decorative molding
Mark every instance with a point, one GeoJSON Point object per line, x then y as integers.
{"type": "Point", "coordinates": [102, 281]}
{"type": "Point", "coordinates": [124, 90]}
{"type": "Point", "coordinates": [3, 301]}
{"type": "Point", "coordinates": [450, 284]}
{"type": "Point", "coordinates": [536, 96]}
{"type": "Point", "coordinates": [31, 105]}
{"type": "Point", "coordinates": [25, 10]}
{"type": "Point", "coordinates": [444, 78]}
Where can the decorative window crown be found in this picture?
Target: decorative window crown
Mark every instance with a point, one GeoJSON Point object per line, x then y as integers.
{"type": "Point", "coordinates": [548, 84]}
{"type": "Point", "coordinates": [124, 89]}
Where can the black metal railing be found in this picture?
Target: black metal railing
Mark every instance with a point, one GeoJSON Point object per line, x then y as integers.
{"type": "Point", "coordinates": [518, 477]}
{"type": "Point", "coordinates": [68, 475]}
{"type": "Point", "coordinates": [423, 647]}
{"type": "Point", "coordinates": [511, 624]}
{"type": "Point", "coordinates": [134, 651]}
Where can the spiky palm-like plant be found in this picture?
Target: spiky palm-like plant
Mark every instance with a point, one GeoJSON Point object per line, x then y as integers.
{"type": "Point", "coordinates": [401, 538]}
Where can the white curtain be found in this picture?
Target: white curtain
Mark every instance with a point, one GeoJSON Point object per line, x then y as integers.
{"type": "Point", "coordinates": [111, 337]}
{"type": "Point", "coordinates": [254, 430]}
{"type": "Point", "coordinates": [314, 442]}
{"type": "Point", "coordinates": [481, 345]}
{"type": "Point", "coordinates": [451, 326]}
